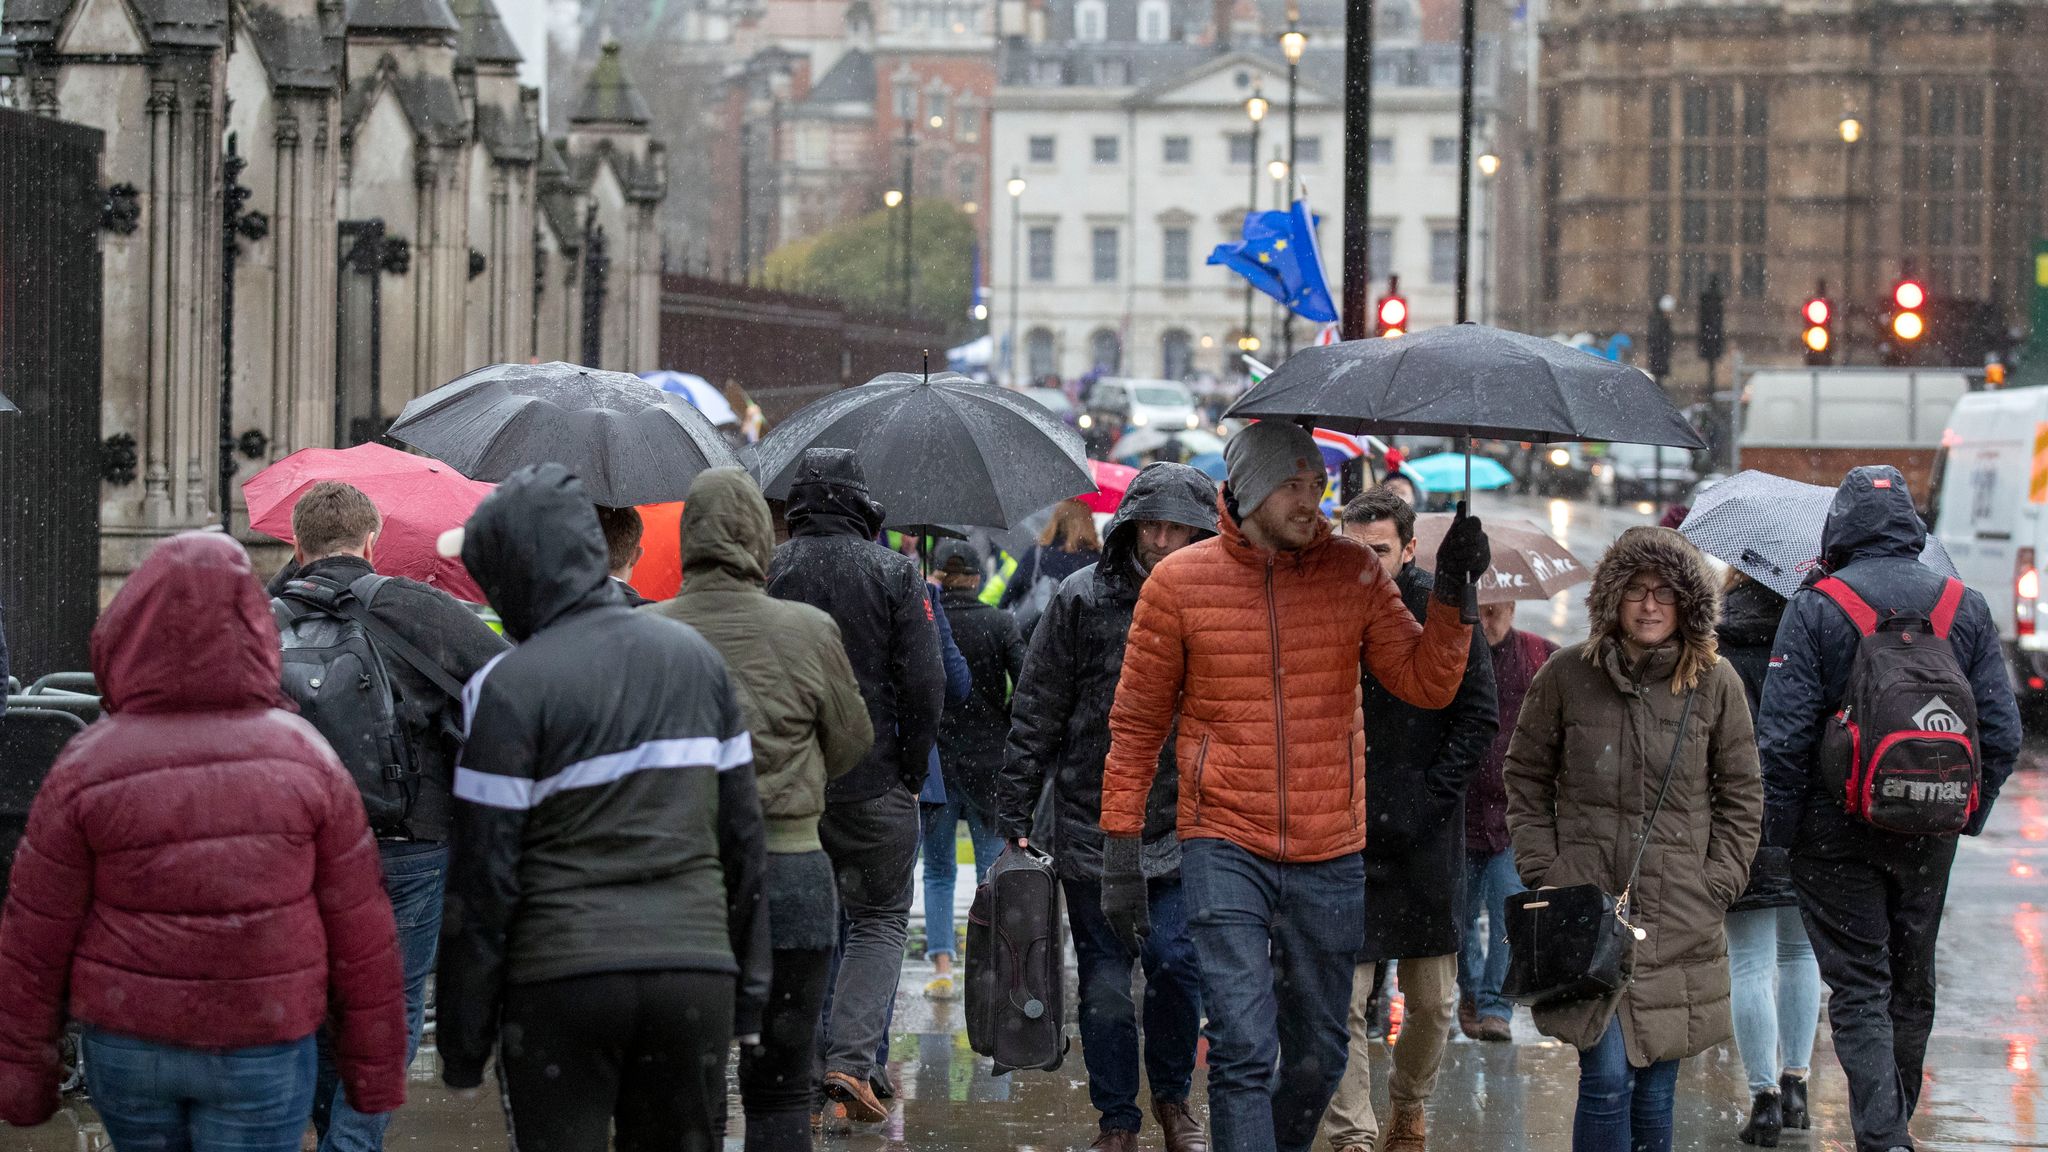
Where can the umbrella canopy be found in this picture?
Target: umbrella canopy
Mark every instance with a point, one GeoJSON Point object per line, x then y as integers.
{"type": "Point", "coordinates": [937, 449]}
{"type": "Point", "coordinates": [698, 391]}
{"type": "Point", "coordinates": [419, 498]}
{"type": "Point", "coordinates": [1445, 472]}
{"type": "Point", "coordinates": [1111, 481]}
{"type": "Point", "coordinates": [1145, 441]}
{"type": "Point", "coordinates": [7, 405]}
{"type": "Point", "coordinates": [628, 441]}
{"type": "Point", "coordinates": [1211, 464]}
{"type": "Point", "coordinates": [659, 574]}
{"type": "Point", "coordinates": [1470, 380]}
{"type": "Point", "coordinates": [1770, 528]}
{"type": "Point", "coordinates": [1528, 563]}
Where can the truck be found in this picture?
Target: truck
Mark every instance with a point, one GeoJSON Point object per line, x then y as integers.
{"type": "Point", "coordinates": [1989, 490]}
{"type": "Point", "coordinates": [1814, 424]}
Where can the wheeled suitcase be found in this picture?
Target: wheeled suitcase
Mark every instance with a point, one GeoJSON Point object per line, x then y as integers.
{"type": "Point", "coordinates": [1014, 992]}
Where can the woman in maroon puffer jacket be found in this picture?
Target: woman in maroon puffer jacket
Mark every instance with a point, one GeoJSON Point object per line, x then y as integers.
{"type": "Point", "coordinates": [197, 886]}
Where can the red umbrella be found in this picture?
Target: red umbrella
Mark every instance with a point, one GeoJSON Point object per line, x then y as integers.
{"type": "Point", "coordinates": [1111, 481]}
{"type": "Point", "coordinates": [419, 498]}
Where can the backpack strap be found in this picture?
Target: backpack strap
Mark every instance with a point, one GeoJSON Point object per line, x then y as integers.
{"type": "Point", "coordinates": [1862, 615]}
{"type": "Point", "coordinates": [1944, 615]}
{"type": "Point", "coordinates": [350, 603]}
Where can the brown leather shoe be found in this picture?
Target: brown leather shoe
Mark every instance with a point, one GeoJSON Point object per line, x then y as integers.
{"type": "Point", "coordinates": [1178, 1125]}
{"type": "Point", "coordinates": [1116, 1141]}
{"type": "Point", "coordinates": [1495, 1028]}
{"type": "Point", "coordinates": [857, 1097]}
{"type": "Point", "coordinates": [1468, 1017]}
{"type": "Point", "coordinates": [1408, 1132]}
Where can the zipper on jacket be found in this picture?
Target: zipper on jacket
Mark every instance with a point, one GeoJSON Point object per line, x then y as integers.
{"type": "Point", "coordinates": [1279, 707]}
{"type": "Point", "coordinates": [1201, 762]}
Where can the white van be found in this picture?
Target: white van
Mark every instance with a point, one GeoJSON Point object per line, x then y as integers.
{"type": "Point", "coordinates": [1165, 404]}
{"type": "Point", "coordinates": [1989, 489]}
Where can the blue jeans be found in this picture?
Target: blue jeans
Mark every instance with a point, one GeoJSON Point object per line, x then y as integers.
{"type": "Point", "coordinates": [1277, 944]}
{"type": "Point", "coordinates": [940, 824]}
{"type": "Point", "coordinates": [415, 875]}
{"type": "Point", "coordinates": [1622, 1109]}
{"type": "Point", "coordinates": [1109, 1021]}
{"type": "Point", "coordinates": [1776, 986]}
{"type": "Point", "coordinates": [162, 1098]}
{"type": "Point", "coordinates": [1483, 961]}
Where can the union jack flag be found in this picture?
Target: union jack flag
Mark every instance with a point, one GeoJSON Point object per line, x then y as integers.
{"type": "Point", "coordinates": [1337, 443]}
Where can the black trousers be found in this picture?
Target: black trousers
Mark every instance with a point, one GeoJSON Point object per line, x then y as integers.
{"type": "Point", "coordinates": [1872, 903]}
{"type": "Point", "coordinates": [644, 1051]}
{"type": "Point", "coordinates": [775, 1079]}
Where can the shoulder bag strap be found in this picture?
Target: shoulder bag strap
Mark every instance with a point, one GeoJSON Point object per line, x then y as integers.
{"type": "Point", "coordinates": [1664, 789]}
{"type": "Point", "coordinates": [352, 606]}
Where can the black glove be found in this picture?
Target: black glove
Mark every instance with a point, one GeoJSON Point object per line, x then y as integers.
{"type": "Point", "coordinates": [1123, 892]}
{"type": "Point", "coordinates": [1462, 558]}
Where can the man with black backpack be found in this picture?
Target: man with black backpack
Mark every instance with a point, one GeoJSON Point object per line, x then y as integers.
{"type": "Point", "coordinates": [377, 664]}
{"type": "Point", "coordinates": [1887, 727]}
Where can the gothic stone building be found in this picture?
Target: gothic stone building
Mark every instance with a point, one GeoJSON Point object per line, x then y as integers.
{"type": "Point", "coordinates": [406, 222]}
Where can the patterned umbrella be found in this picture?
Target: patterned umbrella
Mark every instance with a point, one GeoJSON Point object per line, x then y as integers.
{"type": "Point", "coordinates": [1770, 527]}
{"type": "Point", "coordinates": [1528, 563]}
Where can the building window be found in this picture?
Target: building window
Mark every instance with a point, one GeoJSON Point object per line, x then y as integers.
{"type": "Point", "coordinates": [1942, 168]}
{"type": "Point", "coordinates": [1397, 20]}
{"type": "Point", "coordinates": [1383, 149]}
{"type": "Point", "coordinates": [1240, 147]}
{"type": "Point", "coordinates": [1155, 21]}
{"type": "Point", "coordinates": [1176, 354]}
{"type": "Point", "coordinates": [905, 99]}
{"type": "Point", "coordinates": [1105, 351]}
{"type": "Point", "coordinates": [1041, 149]}
{"type": "Point", "coordinates": [967, 179]}
{"type": "Point", "coordinates": [1443, 255]}
{"type": "Point", "coordinates": [1091, 21]}
{"type": "Point", "coordinates": [1174, 246]}
{"type": "Point", "coordinates": [1102, 251]}
{"type": "Point", "coordinates": [1443, 150]}
{"type": "Point", "coordinates": [968, 111]}
{"type": "Point", "coordinates": [1106, 149]}
{"type": "Point", "coordinates": [1039, 241]}
{"type": "Point", "coordinates": [935, 105]}
{"type": "Point", "coordinates": [1038, 360]}
{"type": "Point", "coordinates": [1308, 150]}
{"type": "Point", "coordinates": [1717, 196]}
{"type": "Point", "coordinates": [1379, 254]}
{"type": "Point", "coordinates": [1178, 149]}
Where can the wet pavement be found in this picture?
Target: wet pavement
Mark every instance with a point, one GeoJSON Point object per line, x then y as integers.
{"type": "Point", "coordinates": [1984, 1088]}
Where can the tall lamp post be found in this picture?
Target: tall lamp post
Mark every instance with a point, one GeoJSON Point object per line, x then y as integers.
{"type": "Point", "coordinates": [1016, 189]}
{"type": "Point", "coordinates": [1255, 108]}
{"type": "Point", "coordinates": [1293, 43]}
{"type": "Point", "coordinates": [1281, 173]}
{"type": "Point", "coordinates": [1488, 165]}
{"type": "Point", "coordinates": [1851, 130]}
{"type": "Point", "coordinates": [1465, 83]}
{"type": "Point", "coordinates": [909, 200]}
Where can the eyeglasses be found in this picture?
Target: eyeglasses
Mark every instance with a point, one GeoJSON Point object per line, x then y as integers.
{"type": "Point", "coordinates": [1636, 594]}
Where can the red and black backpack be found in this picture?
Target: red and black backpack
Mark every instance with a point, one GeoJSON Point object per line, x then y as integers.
{"type": "Point", "coordinates": [1901, 755]}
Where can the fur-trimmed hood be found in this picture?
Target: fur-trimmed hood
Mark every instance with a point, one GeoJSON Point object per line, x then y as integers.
{"type": "Point", "coordinates": [1674, 558]}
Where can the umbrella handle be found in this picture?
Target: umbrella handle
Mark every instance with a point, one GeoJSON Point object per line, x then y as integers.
{"type": "Point", "coordinates": [1468, 603]}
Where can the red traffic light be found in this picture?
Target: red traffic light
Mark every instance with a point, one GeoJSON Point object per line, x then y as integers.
{"type": "Point", "coordinates": [1817, 310]}
{"type": "Point", "coordinates": [1909, 294]}
{"type": "Point", "coordinates": [1393, 312]}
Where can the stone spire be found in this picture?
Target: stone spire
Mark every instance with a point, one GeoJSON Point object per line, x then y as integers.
{"type": "Point", "coordinates": [608, 96]}
{"type": "Point", "coordinates": [483, 38]}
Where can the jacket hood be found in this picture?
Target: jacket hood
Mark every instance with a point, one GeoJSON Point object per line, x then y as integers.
{"type": "Point", "coordinates": [829, 496]}
{"type": "Point", "coordinates": [1160, 491]}
{"type": "Point", "coordinates": [1673, 557]}
{"type": "Point", "coordinates": [1749, 615]}
{"type": "Point", "coordinates": [1872, 516]}
{"type": "Point", "coordinates": [191, 631]}
{"type": "Point", "coordinates": [726, 526]}
{"type": "Point", "coordinates": [535, 547]}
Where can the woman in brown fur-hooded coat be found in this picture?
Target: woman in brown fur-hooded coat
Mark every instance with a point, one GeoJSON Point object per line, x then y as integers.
{"type": "Point", "coordinates": [1595, 737]}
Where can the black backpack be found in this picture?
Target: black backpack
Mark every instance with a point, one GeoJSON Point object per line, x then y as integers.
{"type": "Point", "coordinates": [1901, 754]}
{"type": "Point", "coordinates": [334, 671]}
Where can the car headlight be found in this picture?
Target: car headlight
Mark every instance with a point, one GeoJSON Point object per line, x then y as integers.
{"type": "Point", "coordinates": [1086, 421]}
{"type": "Point", "coordinates": [1194, 421]}
{"type": "Point", "coordinates": [1138, 420]}
{"type": "Point", "coordinates": [1560, 458]}
{"type": "Point", "coordinates": [1599, 469]}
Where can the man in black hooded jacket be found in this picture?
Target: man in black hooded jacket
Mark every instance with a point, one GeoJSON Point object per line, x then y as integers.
{"type": "Point", "coordinates": [604, 893]}
{"type": "Point", "coordinates": [870, 825]}
{"type": "Point", "coordinates": [1872, 899]}
{"type": "Point", "coordinates": [1059, 727]}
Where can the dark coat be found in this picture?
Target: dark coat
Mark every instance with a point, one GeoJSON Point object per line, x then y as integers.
{"type": "Point", "coordinates": [609, 820]}
{"type": "Point", "coordinates": [1418, 762]}
{"type": "Point", "coordinates": [1059, 717]}
{"type": "Point", "coordinates": [454, 638]}
{"type": "Point", "coordinates": [1749, 622]}
{"type": "Point", "coordinates": [877, 598]}
{"type": "Point", "coordinates": [973, 732]}
{"type": "Point", "coordinates": [1872, 542]}
{"type": "Point", "coordinates": [1042, 562]}
{"type": "Point", "coordinates": [1515, 662]}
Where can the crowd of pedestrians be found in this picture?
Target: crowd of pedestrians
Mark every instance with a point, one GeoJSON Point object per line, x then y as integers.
{"type": "Point", "coordinates": [1277, 766]}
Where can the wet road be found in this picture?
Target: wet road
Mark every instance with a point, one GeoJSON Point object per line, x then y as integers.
{"type": "Point", "coordinates": [1984, 1088]}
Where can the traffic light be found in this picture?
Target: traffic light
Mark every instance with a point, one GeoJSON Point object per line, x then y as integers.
{"type": "Point", "coordinates": [1390, 315]}
{"type": "Point", "coordinates": [1905, 322]}
{"type": "Point", "coordinates": [1660, 339]}
{"type": "Point", "coordinates": [1819, 336]}
{"type": "Point", "coordinates": [1712, 305]}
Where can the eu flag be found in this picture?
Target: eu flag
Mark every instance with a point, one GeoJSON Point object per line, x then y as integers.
{"type": "Point", "coordinates": [1278, 255]}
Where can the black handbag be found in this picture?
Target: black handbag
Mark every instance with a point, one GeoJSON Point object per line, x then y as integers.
{"type": "Point", "coordinates": [1574, 943]}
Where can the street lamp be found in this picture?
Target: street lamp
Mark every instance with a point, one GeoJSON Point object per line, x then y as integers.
{"type": "Point", "coordinates": [1255, 109]}
{"type": "Point", "coordinates": [892, 198]}
{"type": "Point", "coordinates": [937, 122]}
{"type": "Point", "coordinates": [1293, 43]}
{"type": "Point", "coordinates": [1851, 130]}
{"type": "Point", "coordinates": [1277, 169]}
{"type": "Point", "coordinates": [1488, 164]}
{"type": "Point", "coordinates": [1016, 190]}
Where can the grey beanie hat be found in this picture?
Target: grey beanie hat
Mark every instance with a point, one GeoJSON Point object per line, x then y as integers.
{"type": "Point", "coordinates": [1266, 455]}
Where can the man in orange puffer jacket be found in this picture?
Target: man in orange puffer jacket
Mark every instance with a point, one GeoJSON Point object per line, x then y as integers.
{"type": "Point", "coordinates": [1254, 640]}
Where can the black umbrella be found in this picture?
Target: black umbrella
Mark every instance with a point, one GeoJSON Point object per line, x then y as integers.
{"type": "Point", "coordinates": [937, 449]}
{"type": "Point", "coordinates": [7, 405]}
{"type": "Point", "coordinates": [627, 440]}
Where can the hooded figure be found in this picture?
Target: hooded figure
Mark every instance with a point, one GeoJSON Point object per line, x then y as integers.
{"type": "Point", "coordinates": [604, 889]}
{"type": "Point", "coordinates": [1595, 739]}
{"type": "Point", "coordinates": [197, 875]}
